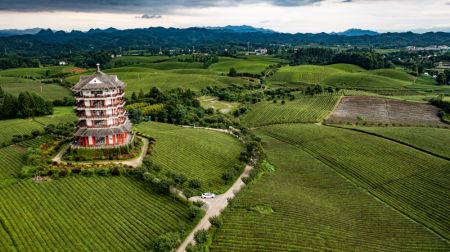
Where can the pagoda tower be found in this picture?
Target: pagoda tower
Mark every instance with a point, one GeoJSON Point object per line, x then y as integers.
{"type": "Point", "coordinates": [102, 119]}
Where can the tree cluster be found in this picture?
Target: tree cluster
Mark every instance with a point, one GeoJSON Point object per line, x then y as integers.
{"type": "Point", "coordinates": [15, 61]}
{"type": "Point", "coordinates": [367, 59]}
{"type": "Point", "coordinates": [25, 105]}
{"type": "Point", "coordinates": [443, 78]}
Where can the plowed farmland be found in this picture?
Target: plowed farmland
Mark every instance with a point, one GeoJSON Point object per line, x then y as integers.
{"type": "Point", "coordinates": [377, 110]}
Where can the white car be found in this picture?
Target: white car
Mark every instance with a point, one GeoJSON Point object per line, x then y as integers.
{"type": "Point", "coordinates": [208, 195]}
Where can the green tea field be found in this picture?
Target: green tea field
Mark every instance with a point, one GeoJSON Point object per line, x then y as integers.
{"type": "Point", "coordinates": [86, 214]}
{"type": "Point", "coordinates": [306, 205]}
{"type": "Point", "coordinates": [15, 85]}
{"type": "Point", "coordinates": [197, 153]}
{"type": "Point", "coordinates": [304, 109]}
{"type": "Point", "coordinates": [430, 139]}
{"type": "Point", "coordinates": [410, 181]}
{"type": "Point", "coordinates": [13, 127]}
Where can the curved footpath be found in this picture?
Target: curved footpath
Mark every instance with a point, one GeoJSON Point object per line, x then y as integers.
{"type": "Point", "coordinates": [135, 162]}
{"type": "Point", "coordinates": [214, 207]}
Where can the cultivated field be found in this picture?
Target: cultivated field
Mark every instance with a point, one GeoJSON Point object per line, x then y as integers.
{"type": "Point", "coordinates": [430, 139]}
{"type": "Point", "coordinates": [411, 181]}
{"type": "Point", "coordinates": [306, 206]}
{"type": "Point", "coordinates": [304, 109]}
{"type": "Point", "coordinates": [376, 110]}
{"type": "Point", "coordinates": [10, 161]}
{"type": "Point", "coordinates": [197, 153]}
{"type": "Point", "coordinates": [138, 78]}
{"type": "Point", "coordinates": [12, 127]}
{"type": "Point", "coordinates": [250, 64]}
{"type": "Point", "coordinates": [214, 103]}
{"type": "Point", "coordinates": [86, 214]}
{"type": "Point", "coordinates": [15, 85]}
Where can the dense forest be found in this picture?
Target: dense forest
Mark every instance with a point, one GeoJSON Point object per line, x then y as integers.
{"type": "Point", "coordinates": [367, 59]}
{"type": "Point", "coordinates": [51, 43]}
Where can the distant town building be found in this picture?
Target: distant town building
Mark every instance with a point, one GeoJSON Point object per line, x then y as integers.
{"type": "Point", "coordinates": [261, 51]}
{"type": "Point", "coordinates": [102, 119]}
{"type": "Point", "coordinates": [428, 48]}
{"type": "Point", "coordinates": [443, 65]}
{"type": "Point", "coordinates": [62, 63]}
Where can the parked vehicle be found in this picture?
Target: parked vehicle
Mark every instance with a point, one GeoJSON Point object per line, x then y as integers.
{"type": "Point", "coordinates": [208, 195]}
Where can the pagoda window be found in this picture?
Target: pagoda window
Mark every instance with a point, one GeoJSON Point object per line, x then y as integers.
{"type": "Point", "coordinates": [100, 140]}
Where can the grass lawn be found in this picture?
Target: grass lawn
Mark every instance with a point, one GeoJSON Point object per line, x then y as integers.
{"type": "Point", "coordinates": [86, 214]}
{"type": "Point", "coordinates": [197, 153]}
{"type": "Point", "coordinates": [304, 205]}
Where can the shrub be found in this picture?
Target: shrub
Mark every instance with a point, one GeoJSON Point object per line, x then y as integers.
{"type": "Point", "coordinates": [167, 242]}
{"type": "Point", "coordinates": [194, 211]}
{"type": "Point", "coordinates": [28, 171]}
{"type": "Point", "coordinates": [201, 236]}
{"type": "Point", "coordinates": [115, 171]}
{"type": "Point", "coordinates": [216, 221]}
{"type": "Point", "coordinates": [196, 248]}
{"type": "Point", "coordinates": [188, 192]}
{"type": "Point", "coordinates": [194, 183]}
{"type": "Point", "coordinates": [102, 171]}
{"type": "Point", "coordinates": [87, 172]}
{"type": "Point", "coordinates": [35, 133]}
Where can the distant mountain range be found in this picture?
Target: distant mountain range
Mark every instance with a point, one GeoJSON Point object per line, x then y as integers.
{"type": "Point", "coordinates": [240, 29]}
{"type": "Point", "coordinates": [12, 32]}
{"type": "Point", "coordinates": [357, 32]}
{"type": "Point", "coordinates": [48, 42]}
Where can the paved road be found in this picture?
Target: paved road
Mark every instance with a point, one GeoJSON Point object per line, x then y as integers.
{"type": "Point", "coordinates": [135, 162]}
{"type": "Point", "coordinates": [214, 207]}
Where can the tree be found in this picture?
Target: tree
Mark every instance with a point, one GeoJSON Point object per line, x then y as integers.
{"type": "Point", "coordinates": [441, 79]}
{"type": "Point", "coordinates": [141, 94]}
{"type": "Point", "coordinates": [232, 72]}
{"type": "Point", "coordinates": [166, 242]}
{"type": "Point", "coordinates": [9, 106]}
{"type": "Point", "coordinates": [133, 96]}
{"type": "Point", "coordinates": [201, 236]}
{"type": "Point", "coordinates": [447, 75]}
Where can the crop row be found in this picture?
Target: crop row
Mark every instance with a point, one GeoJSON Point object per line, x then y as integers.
{"type": "Point", "coordinates": [410, 181]}
{"type": "Point", "coordinates": [10, 161]}
{"type": "Point", "coordinates": [303, 109]}
{"type": "Point", "coordinates": [87, 214]}
{"type": "Point", "coordinates": [196, 153]}
{"type": "Point", "coordinates": [314, 208]}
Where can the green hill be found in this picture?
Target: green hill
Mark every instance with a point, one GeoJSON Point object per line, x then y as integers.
{"type": "Point", "coordinates": [197, 153]}
{"type": "Point", "coordinates": [16, 85]}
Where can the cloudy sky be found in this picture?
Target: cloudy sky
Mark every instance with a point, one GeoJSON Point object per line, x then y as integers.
{"type": "Point", "coordinates": [281, 15]}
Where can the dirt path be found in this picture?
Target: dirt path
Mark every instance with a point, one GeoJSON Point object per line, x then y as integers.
{"type": "Point", "coordinates": [135, 162]}
{"type": "Point", "coordinates": [213, 207]}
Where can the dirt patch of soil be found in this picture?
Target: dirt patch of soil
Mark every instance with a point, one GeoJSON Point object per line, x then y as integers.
{"type": "Point", "coordinates": [76, 70]}
{"type": "Point", "coordinates": [377, 110]}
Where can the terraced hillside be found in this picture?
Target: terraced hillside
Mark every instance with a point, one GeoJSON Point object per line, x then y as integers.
{"type": "Point", "coordinates": [409, 180]}
{"type": "Point", "coordinates": [304, 109]}
{"type": "Point", "coordinates": [307, 206]}
{"type": "Point", "coordinates": [378, 110]}
{"type": "Point", "coordinates": [86, 214]}
{"type": "Point", "coordinates": [197, 153]}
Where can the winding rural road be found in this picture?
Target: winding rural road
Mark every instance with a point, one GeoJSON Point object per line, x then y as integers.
{"type": "Point", "coordinates": [214, 207]}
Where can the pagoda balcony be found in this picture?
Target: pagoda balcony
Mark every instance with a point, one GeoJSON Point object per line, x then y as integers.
{"type": "Point", "coordinates": [82, 106]}
{"type": "Point", "coordinates": [98, 96]}
{"type": "Point", "coordinates": [83, 124]}
{"type": "Point", "coordinates": [82, 115]}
